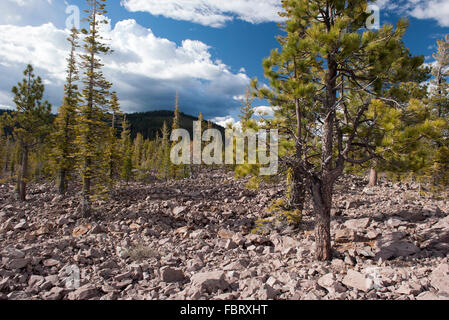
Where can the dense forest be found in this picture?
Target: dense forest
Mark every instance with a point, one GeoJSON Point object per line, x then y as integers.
{"type": "Point", "coordinates": [346, 100]}
{"type": "Point", "coordinates": [149, 124]}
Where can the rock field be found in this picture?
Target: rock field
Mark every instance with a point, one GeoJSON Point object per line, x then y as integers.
{"type": "Point", "coordinates": [192, 239]}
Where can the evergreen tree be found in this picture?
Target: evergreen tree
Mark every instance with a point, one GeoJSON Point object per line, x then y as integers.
{"type": "Point", "coordinates": [92, 129]}
{"type": "Point", "coordinates": [440, 105]}
{"type": "Point", "coordinates": [112, 147]}
{"type": "Point", "coordinates": [324, 59]}
{"type": "Point", "coordinates": [126, 151]}
{"type": "Point", "coordinates": [164, 161]}
{"type": "Point", "coordinates": [31, 122]}
{"type": "Point", "coordinates": [63, 138]}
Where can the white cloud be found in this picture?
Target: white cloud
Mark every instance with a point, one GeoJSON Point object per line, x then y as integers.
{"type": "Point", "coordinates": [264, 111]}
{"type": "Point", "coordinates": [146, 70]}
{"type": "Point", "coordinates": [421, 9]}
{"type": "Point", "coordinates": [32, 12]}
{"type": "Point", "coordinates": [225, 121]}
{"type": "Point", "coordinates": [213, 13]}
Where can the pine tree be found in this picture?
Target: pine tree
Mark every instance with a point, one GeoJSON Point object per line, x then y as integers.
{"type": "Point", "coordinates": [92, 129]}
{"type": "Point", "coordinates": [177, 171]}
{"type": "Point", "coordinates": [324, 59]}
{"type": "Point", "coordinates": [112, 147]}
{"type": "Point", "coordinates": [164, 159]}
{"type": "Point", "coordinates": [126, 151]}
{"type": "Point", "coordinates": [440, 104]}
{"type": "Point", "coordinates": [63, 151]}
{"type": "Point", "coordinates": [31, 122]}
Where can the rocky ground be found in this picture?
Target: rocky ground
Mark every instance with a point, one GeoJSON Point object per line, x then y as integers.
{"type": "Point", "coordinates": [192, 240]}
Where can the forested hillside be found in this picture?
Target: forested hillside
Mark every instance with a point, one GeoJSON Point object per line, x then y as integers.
{"type": "Point", "coordinates": [150, 123]}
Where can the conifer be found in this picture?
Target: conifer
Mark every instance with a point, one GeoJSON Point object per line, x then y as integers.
{"type": "Point", "coordinates": [31, 122]}
{"type": "Point", "coordinates": [92, 128]}
{"type": "Point", "coordinates": [63, 138]}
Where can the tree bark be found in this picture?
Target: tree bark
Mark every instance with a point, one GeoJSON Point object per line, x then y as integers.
{"type": "Point", "coordinates": [62, 182]}
{"type": "Point", "coordinates": [297, 191]}
{"type": "Point", "coordinates": [85, 200]}
{"type": "Point", "coordinates": [23, 175]}
{"type": "Point", "coordinates": [373, 177]}
{"type": "Point", "coordinates": [322, 203]}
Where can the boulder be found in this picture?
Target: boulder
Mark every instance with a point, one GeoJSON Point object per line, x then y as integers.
{"type": "Point", "coordinates": [210, 281]}
{"type": "Point", "coordinates": [357, 280]}
{"type": "Point", "coordinates": [358, 224]}
{"type": "Point", "coordinates": [439, 278]}
{"type": "Point", "coordinates": [169, 274]}
{"type": "Point", "coordinates": [84, 293]}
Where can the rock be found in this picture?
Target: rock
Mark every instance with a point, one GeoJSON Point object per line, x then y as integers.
{"type": "Point", "coordinates": [62, 221]}
{"type": "Point", "coordinates": [51, 263]}
{"type": "Point", "coordinates": [358, 224]}
{"type": "Point", "coordinates": [230, 245]}
{"type": "Point", "coordinates": [80, 230]}
{"type": "Point", "coordinates": [55, 293]}
{"type": "Point", "coordinates": [14, 253]}
{"type": "Point", "coordinates": [395, 222]}
{"type": "Point", "coordinates": [84, 293]}
{"type": "Point", "coordinates": [410, 289]}
{"type": "Point", "coordinates": [18, 263]}
{"type": "Point", "coordinates": [431, 296]}
{"type": "Point", "coordinates": [327, 281]}
{"type": "Point", "coordinates": [178, 210]}
{"type": "Point", "coordinates": [210, 281]}
{"type": "Point", "coordinates": [169, 274]}
{"type": "Point", "coordinates": [21, 225]}
{"type": "Point", "coordinates": [96, 229]}
{"type": "Point", "coordinates": [388, 249]}
{"type": "Point", "coordinates": [439, 278]}
{"type": "Point", "coordinates": [35, 280]}
{"type": "Point", "coordinates": [225, 234]}
{"type": "Point", "coordinates": [358, 281]}
{"type": "Point", "coordinates": [268, 293]}
{"type": "Point", "coordinates": [345, 235]}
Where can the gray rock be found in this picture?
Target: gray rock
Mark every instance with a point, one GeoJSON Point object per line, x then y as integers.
{"type": "Point", "coordinates": [18, 263]}
{"type": "Point", "coordinates": [84, 293]}
{"type": "Point", "coordinates": [440, 278]}
{"type": "Point", "coordinates": [327, 281]}
{"type": "Point", "coordinates": [169, 274]}
{"type": "Point", "coordinates": [210, 281]}
{"type": "Point", "coordinates": [358, 224]}
{"type": "Point", "coordinates": [357, 280]}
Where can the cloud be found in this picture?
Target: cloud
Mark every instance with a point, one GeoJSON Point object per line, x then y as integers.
{"type": "Point", "coordinates": [213, 13]}
{"type": "Point", "coordinates": [225, 121]}
{"type": "Point", "coordinates": [146, 70]}
{"type": "Point", "coordinates": [421, 9]}
{"type": "Point", "coordinates": [32, 12]}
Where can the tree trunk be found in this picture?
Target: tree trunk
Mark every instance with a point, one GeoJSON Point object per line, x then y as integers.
{"type": "Point", "coordinates": [23, 175]}
{"type": "Point", "coordinates": [322, 203]}
{"type": "Point", "coordinates": [373, 177]}
{"type": "Point", "coordinates": [85, 201]}
{"type": "Point", "coordinates": [62, 182]}
{"type": "Point", "coordinates": [297, 191]}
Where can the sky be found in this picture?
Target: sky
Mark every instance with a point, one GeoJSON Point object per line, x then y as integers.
{"type": "Point", "coordinates": [206, 50]}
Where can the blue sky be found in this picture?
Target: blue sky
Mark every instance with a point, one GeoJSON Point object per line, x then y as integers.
{"type": "Point", "coordinates": [207, 50]}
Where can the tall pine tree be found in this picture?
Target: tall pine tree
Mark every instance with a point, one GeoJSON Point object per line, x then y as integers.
{"type": "Point", "coordinates": [92, 128]}
{"type": "Point", "coordinates": [63, 138]}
